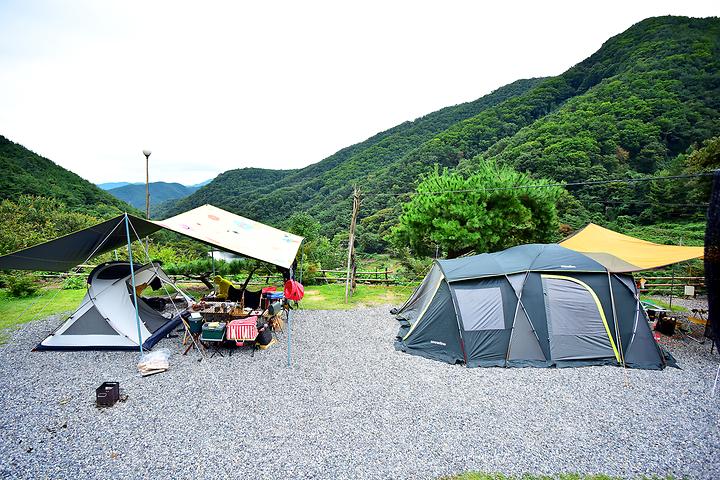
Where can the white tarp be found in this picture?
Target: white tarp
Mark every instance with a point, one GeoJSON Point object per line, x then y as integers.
{"type": "Point", "coordinates": [236, 234]}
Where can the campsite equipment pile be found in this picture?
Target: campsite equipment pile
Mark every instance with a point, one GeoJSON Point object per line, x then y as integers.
{"type": "Point", "coordinates": [219, 324]}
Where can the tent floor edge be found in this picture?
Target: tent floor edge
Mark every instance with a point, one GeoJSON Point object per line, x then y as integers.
{"type": "Point", "coordinates": [85, 348]}
{"type": "Point", "coordinates": [422, 353]}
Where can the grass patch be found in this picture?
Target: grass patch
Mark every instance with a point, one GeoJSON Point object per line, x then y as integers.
{"type": "Point", "coordinates": [665, 305]}
{"type": "Point", "coordinates": [332, 297]}
{"type": "Point", "coordinates": [11, 308]}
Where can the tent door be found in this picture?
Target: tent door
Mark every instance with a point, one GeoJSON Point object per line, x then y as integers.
{"type": "Point", "coordinates": [577, 323]}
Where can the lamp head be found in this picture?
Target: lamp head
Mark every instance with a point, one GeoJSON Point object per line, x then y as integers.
{"type": "Point", "coordinates": [146, 153]}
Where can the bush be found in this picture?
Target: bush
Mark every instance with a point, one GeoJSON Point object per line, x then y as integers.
{"type": "Point", "coordinates": [20, 285]}
{"type": "Point", "coordinates": [74, 282]}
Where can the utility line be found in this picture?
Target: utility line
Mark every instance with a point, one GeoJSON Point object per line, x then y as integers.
{"type": "Point", "coordinates": [630, 203]}
{"type": "Point", "coordinates": [563, 185]}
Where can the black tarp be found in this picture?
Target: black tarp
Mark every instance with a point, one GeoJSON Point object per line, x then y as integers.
{"type": "Point", "coordinates": [65, 253]}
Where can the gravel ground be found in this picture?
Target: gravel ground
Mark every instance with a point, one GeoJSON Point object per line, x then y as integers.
{"type": "Point", "coordinates": [350, 407]}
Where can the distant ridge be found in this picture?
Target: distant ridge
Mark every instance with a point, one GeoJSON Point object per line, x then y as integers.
{"type": "Point", "coordinates": [160, 192]}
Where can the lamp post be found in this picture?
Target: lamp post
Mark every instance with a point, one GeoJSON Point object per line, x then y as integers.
{"type": "Point", "coordinates": [147, 183]}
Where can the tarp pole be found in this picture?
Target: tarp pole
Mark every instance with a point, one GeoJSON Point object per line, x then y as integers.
{"type": "Point", "coordinates": [289, 324]}
{"type": "Point", "coordinates": [132, 276]}
{"type": "Point", "coordinates": [289, 328]}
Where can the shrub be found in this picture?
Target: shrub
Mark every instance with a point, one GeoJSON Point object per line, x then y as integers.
{"type": "Point", "coordinates": [20, 285]}
{"type": "Point", "coordinates": [74, 282]}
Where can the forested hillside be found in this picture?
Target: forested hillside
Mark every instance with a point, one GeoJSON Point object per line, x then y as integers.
{"type": "Point", "coordinates": [27, 173]}
{"type": "Point", "coordinates": [645, 100]}
{"type": "Point", "coordinates": [269, 194]}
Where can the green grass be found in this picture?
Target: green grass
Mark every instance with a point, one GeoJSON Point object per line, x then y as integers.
{"type": "Point", "coordinates": [665, 305]}
{"type": "Point", "coordinates": [332, 297]}
{"type": "Point", "coordinates": [16, 311]}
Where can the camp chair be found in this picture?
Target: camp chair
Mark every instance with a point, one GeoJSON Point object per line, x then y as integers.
{"type": "Point", "coordinates": [252, 299]}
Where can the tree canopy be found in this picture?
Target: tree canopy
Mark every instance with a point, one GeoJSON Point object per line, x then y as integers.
{"type": "Point", "coordinates": [494, 208]}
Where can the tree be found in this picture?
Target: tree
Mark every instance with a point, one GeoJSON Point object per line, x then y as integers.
{"type": "Point", "coordinates": [30, 220]}
{"type": "Point", "coordinates": [490, 210]}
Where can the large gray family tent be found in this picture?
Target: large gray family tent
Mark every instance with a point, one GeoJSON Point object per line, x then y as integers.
{"type": "Point", "coordinates": [106, 319]}
{"type": "Point", "coordinates": [531, 305]}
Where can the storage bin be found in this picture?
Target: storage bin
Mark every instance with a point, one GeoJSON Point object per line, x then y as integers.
{"type": "Point", "coordinates": [107, 394]}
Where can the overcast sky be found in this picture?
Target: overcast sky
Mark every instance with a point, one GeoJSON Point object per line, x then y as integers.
{"type": "Point", "coordinates": [209, 86]}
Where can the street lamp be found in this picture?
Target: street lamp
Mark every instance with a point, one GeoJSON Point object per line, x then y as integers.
{"type": "Point", "coordinates": [147, 183]}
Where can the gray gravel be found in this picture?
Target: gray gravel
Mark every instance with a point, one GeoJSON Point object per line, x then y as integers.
{"type": "Point", "coordinates": [350, 407]}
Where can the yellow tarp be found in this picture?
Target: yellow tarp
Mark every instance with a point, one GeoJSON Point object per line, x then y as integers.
{"type": "Point", "coordinates": [622, 253]}
{"type": "Point", "coordinates": [236, 234]}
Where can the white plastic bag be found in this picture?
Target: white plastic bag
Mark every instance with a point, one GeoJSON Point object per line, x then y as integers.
{"type": "Point", "coordinates": [155, 361]}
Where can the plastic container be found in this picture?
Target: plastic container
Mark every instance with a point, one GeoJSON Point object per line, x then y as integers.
{"type": "Point", "coordinates": [107, 394]}
{"type": "Point", "coordinates": [213, 332]}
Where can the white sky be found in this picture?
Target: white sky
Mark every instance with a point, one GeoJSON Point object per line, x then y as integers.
{"type": "Point", "coordinates": [209, 86]}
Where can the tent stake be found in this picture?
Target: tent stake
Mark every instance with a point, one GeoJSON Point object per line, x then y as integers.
{"type": "Point", "coordinates": [132, 276]}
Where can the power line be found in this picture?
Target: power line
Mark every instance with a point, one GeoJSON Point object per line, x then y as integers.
{"type": "Point", "coordinates": [661, 204]}
{"type": "Point", "coordinates": [562, 185]}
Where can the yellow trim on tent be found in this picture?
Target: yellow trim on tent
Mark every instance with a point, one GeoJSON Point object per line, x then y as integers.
{"type": "Point", "coordinates": [597, 303]}
{"type": "Point", "coordinates": [442, 277]}
{"type": "Point", "coordinates": [636, 254]}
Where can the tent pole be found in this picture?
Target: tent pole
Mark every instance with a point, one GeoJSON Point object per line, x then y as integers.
{"type": "Point", "coordinates": [289, 329]}
{"type": "Point", "coordinates": [212, 256]}
{"type": "Point", "coordinates": [132, 276]}
{"type": "Point", "coordinates": [289, 324]}
{"type": "Point", "coordinates": [617, 329]}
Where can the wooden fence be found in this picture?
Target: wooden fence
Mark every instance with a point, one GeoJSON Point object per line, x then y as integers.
{"type": "Point", "coordinates": [387, 277]}
{"type": "Point", "coordinates": [672, 284]}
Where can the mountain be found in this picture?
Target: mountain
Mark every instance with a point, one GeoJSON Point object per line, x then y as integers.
{"type": "Point", "coordinates": [270, 194]}
{"type": "Point", "coordinates": [111, 185]}
{"type": "Point", "coordinates": [647, 97]}
{"type": "Point", "coordinates": [160, 192]}
{"type": "Point", "coordinates": [27, 173]}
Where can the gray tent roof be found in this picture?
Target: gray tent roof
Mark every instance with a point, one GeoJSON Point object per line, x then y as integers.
{"type": "Point", "coordinates": [64, 253]}
{"type": "Point", "coordinates": [523, 258]}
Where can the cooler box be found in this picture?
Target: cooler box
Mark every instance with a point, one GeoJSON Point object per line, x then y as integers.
{"type": "Point", "coordinates": [195, 322]}
{"type": "Point", "coordinates": [213, 332]}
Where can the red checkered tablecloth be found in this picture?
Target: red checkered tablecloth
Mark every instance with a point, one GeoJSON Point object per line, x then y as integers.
{"type": "Point", "coordinates": [242, 330]}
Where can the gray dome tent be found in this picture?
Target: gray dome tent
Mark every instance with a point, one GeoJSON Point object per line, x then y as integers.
{"type": "Point", "coordinates": [530, 305]}
{"type": "Point", "coordinates": [105, 319]}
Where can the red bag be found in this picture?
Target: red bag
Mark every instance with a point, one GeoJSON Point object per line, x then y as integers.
{"type": "Point", "coordinates": [294, 290]}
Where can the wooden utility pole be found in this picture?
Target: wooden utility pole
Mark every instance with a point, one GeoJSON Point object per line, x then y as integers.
{"type": "Point", "coordinates": [351, 267]}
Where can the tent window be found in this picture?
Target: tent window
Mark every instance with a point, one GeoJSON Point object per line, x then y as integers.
{"type": "Point", "coordinates": [480, 308]}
